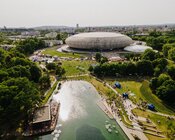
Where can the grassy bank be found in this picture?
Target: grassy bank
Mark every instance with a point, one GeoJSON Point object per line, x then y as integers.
{"type": "Point", "coordinates": [141, 90]}
{"type": "Point", "coordinates": [49, 93]}
{"type": "Point", "coordinates": [147, 94]}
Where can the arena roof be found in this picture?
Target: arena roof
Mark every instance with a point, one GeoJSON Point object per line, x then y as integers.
{"type": "Point", "coordinates": [137, 48]}
{"type": "Point", "coordinates": [98, 41]}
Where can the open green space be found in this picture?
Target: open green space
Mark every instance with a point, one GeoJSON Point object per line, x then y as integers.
{"type": "Point", "coordinates": [53, 52]}
{"type": "Point", "coordinates": [76, 67]}
{"type": "Point", "coordinates": [151, 98]}
{"type": "Point", "coordinates": [142, 91]}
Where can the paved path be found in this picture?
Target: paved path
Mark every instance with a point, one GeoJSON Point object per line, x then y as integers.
{"type": "Point", "coordinates": [72, 76]}
{"type": "Point", "coordinates": [128, 107]}
{"type": "Point", "coordinates": [162, 114]}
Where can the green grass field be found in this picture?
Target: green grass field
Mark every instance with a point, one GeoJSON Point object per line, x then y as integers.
{"type": "Point", "coordinates": [151, 98]}
{"type": "Point", "coordinates": [53, 52]}
{"type": "Point", "coordinates": [76, 67]}
{"type": "Point", "coordinates": [142, 90]}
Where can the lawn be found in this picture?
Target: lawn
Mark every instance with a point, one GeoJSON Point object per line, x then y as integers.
{"type": "Point", "coordinates": [141, 90]}
{"type": "Point", "coordinates": [76, 67]}
{"type": "Point", "coordinates": [151, 98]}
{"type": "Point", "coordinates": [53, 52]}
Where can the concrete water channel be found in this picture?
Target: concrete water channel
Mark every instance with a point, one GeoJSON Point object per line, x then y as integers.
{"type": "Point", "coordinates": [80, 116]}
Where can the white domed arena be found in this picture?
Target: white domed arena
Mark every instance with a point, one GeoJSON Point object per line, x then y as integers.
{"type": "Point", "coordinates": [98, 41]}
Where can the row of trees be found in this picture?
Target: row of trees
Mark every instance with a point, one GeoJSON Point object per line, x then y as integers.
{"type": "Point", "coordinates": [152, 64]}
{"type": "Point", "coordinates": [163, 82]}
{"type": "Point", "coordinates": [143, 68]}
{"type": "Point", "coordinates": [157, 39]}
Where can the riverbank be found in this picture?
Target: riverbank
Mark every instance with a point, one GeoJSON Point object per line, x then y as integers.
{"type": "Point", "coordinates": [104, 109]}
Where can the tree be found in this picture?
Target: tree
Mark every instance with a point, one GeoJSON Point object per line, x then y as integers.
{"type": "Point", "coordinates": [18, 96]}
{"type": "Point", "coordinates": [162, 78]}
{"type": "Point", "coordinates": [35, 73]}
{"type": "Point", "coordinates": [131, 68]}
{"type": "Point", "coordinates": [91, 68]}
{"type": "Point", "coordinates": [104, 60]}
{"type": "Point", "coordinates": [19, 71]}
{"type": "Point", "coordinates": [171, 71]}
{"type": "Point", "coordinates": [144, 67]}
{"type": "Point", "coordinates": [166, 48]}
{"type": "Point", "coordinates": [98, 57]}
{"type": "Point", "coordinates": [58, 37]}
{"type": "Point", "coordinates": [154, 84]}
{"type": "Point", "coordinates": [28, 46]}
{"type": "Point", "coordinates": [166, 92]}
{"type": "Point", "coordinates": [155, 33]}
{"type": "Point", "coordinates": [156, 43]}
{"type": "Point", "coordinates": [51, 66]}
{"type": "Point", "coordinates": [63, 36]}
{"type": "Point", "coordinates": [160, 62]}
{"type": "Point", "coordinates": [171, 54]}
{"type": "Point", "coordinates": [60, 71]}
{"type": "Point", "coordinates": [149, 54]}
{"type": "Point", "coordinates": [157, 71]}
{"type": "Point", "coordinates": [3, 75]}
{"type": "Point", "coordinates": [44, 82]}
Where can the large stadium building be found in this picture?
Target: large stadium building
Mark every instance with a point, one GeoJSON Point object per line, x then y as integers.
{"type": "Point", "coordinates": [98, 41]}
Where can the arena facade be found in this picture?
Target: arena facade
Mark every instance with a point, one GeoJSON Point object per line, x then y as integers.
{"type": "Point", "coordinates": [98, 41]}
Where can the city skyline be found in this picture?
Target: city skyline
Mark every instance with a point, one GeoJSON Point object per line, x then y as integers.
{"type": "Point", "coordinates": [25, 13]}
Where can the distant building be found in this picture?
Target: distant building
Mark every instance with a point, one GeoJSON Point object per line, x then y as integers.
{"type": "Point", "coordinates": [50, 43]}
{"type": "Point", "coordinates": [30, 33]}
{"type": "Point", "coordinates": [77, 26]}
{"type": "Point", "coordinates": [51, 35]}
{"type": "Point", "coordinates": [116, 59]}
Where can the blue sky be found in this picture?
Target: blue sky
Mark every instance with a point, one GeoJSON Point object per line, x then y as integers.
{"type": "Point", "coordinates": [29, 13]}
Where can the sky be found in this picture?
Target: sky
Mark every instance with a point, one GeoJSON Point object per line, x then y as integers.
{"type": "Point", "coordinates": [32, 13]}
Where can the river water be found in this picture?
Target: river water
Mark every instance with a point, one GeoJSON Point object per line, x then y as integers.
{"type": "Point", "coordinates": [80, 116]}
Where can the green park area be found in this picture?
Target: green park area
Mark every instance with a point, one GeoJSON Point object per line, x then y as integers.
{"type": "Point", "coordinates": [76, 67]}
{"type": "Point", "coordinates": [141, 92]}
{"type": "Point", "coordinates": [53, 52]}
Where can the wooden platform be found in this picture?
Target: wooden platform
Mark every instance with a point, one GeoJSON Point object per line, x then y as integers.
{"type": "Point", "coordinates": [45, 126]}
